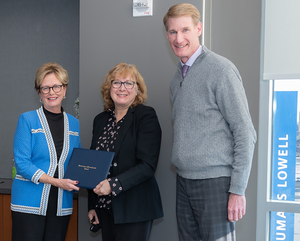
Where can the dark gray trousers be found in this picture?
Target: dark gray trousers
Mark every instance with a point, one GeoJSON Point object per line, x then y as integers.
{"type": "Point", "coordinates": [201, 207]}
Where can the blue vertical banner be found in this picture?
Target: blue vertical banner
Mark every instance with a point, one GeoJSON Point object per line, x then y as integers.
{"type": "Point", "coordinates": [284, 161]}
{"type": "Point", "coordinates": [282, 226]}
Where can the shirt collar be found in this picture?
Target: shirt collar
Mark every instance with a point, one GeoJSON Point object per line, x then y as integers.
{"type": "Point", "coordinates": [192, 59]}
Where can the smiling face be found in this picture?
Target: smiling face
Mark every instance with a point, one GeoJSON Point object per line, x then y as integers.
{"type": "Point", "coordinates": [183, 36]}
{"type": "Point", "coordinates": [52, 101]}
{"type": "Point", "coordinates": [122, 97]}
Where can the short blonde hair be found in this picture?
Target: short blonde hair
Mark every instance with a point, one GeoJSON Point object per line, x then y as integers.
{"type": "Point", "coordinates": [48, 68]}
{"type": "Point", "coordinates": [123, 70]}
{"type": "Point", "coordinates": [180, 10]}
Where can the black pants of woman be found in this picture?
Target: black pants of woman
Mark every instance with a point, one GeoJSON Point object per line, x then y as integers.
{"type": "Point", "coordinates": [31, 227]}
{"type": "Point", "coordinates": [139, 231]}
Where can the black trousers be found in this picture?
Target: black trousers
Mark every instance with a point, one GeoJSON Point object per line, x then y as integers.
{"type": "Point", "coordinates": [31, 227]}
{"type": "Point", "coordinates": [139, 231]}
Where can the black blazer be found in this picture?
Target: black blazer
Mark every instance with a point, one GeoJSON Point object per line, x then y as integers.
{"type": "Point", "coordinates": [136, 155]}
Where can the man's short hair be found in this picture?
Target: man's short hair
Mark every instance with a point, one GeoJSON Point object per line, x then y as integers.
{"type": "Point", "coordinates": [182, 9]}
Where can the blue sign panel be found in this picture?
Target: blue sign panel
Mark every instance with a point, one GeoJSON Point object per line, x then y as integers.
{"type": "Point", "coordinates": [284, 161]}
{"type": "Point", "coordinates": [282, 226]}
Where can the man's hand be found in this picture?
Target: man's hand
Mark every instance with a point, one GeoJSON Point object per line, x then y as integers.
{"type": "Point", "coordinates": [236, 207]}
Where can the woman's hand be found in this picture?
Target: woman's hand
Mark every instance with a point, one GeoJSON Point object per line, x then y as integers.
{"type": "Point", "coordinates": [91, 215]}
{"type": "Point", "coordinates": [103, 188]}
{"type": "Point", "coordinates": [66, 184]}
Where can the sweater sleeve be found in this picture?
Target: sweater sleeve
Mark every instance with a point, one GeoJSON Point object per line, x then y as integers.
{"type": "Point", "coordinates": [23, 151]}
{"type": "Point", "coordinates": [233, 105]}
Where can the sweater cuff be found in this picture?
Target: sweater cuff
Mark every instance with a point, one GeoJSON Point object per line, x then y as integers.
{"type": "Point", "coordinates": [237, 190]}
{"type": "Point", "coordinates": [36, 177]}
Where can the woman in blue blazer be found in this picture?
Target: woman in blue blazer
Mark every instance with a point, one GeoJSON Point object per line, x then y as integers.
{"type": "Point", "coordinates": [127, 202]}
{"type": "Point", "coordinates": [41, 200]}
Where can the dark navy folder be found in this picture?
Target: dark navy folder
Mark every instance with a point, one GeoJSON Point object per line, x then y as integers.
{"type": "Point", "coordinates": [89, 167]}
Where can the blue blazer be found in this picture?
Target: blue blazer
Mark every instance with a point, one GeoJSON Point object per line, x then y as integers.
{"type": "Point", "coordinates": [136, 155]}
{"type": "Point", "coordinates": [35, 154]}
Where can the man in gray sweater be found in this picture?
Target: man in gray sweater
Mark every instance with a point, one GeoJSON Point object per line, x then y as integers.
{"type": "Point", "coordinates": [214, 137]}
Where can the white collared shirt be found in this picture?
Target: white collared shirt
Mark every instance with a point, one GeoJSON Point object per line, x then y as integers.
{"type": "Point", "coordinates": [192, 59]}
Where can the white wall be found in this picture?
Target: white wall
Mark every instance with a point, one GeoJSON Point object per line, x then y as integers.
{"type": "Point", "coordinates": [281, 40]}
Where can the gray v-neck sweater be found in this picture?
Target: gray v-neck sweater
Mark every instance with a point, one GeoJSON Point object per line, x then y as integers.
{"type": "Point", "coordinates": [213, 131]}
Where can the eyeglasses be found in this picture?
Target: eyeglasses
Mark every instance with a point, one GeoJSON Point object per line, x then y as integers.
{"type": "Point", "coordinates": [128, 84]}
{"type": "Point", "coordinates": [55, 88]}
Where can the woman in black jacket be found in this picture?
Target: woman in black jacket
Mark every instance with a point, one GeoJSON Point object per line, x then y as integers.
{"type": "Point", "coordinates": [128, 201]}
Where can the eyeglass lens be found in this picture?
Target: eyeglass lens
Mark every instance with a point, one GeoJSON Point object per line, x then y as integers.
{"type": "Point", "coordinates": [127, 84]}
{"type": "Point", "coordinates": [55, 88]}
